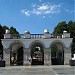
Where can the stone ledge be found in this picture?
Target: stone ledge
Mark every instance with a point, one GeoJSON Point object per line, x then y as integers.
{"type": "Point", "coordinates": [2, 63]}
{"type": "Point", "coordinates": [72, 62]}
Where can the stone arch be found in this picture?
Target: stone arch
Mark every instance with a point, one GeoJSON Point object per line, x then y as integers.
{"type": "Point", "coordinates": [57, 52]}
{"type": "Point", "coordinates": [37, 41]}
{"type": "Point", "coordinates": [16, 42]}
{"type": "Point", "coordinates": [16, 53]}
{"type": "Point", "coordinates": [37, 53]}
{"type": "Point", "coordinates": [59, 42]}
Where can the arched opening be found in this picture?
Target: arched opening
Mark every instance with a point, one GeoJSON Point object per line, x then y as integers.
{"type": "Point", "coordinates": [16, 54]}
{"type": "Point", "coordinates": [57, 54]}
{"type": "Point", "coordinates": [37, 54]}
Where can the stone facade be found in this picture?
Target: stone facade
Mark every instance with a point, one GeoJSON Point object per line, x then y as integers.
{"type": "Point", "coordinates": [27, 43]}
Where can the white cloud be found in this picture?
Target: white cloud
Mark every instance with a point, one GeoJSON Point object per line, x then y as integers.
{"type": "Point", "coordinates": [36, 12]}
{"type": "Point", "coordinates": [43, 9]}
{"type": "Point", "coordinates": [27, 13]}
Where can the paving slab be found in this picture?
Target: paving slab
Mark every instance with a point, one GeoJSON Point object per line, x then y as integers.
{"type": "Point", "coordinates": [38, 70]}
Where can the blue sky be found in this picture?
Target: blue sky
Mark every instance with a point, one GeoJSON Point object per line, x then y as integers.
{"type": "Point", "coordinates": [35, 15]}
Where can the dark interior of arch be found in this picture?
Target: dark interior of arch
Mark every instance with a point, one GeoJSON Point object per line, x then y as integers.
{"type": "Point", "coordinates": [57, 54]}
{"type": "Point", "coordinates": [37, 54]}
{"type": "Point", "coordinates": [16, 55]}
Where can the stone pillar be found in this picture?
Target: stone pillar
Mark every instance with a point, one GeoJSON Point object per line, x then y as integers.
{"type": "Point", "coordinates": [7, 34]}
{"type": "Point", "coordinates": [26, 56]}
{"type": "Point", "coordinates": [47, 57]}
{"type": "Point", "coordinates": [67, 56]}
{"type": "Point", "coordinates": [27, 35]}
{"type": "Point", "coordinates": [6, 56]}
{"type": "Point", "coordinates": [47, 34]}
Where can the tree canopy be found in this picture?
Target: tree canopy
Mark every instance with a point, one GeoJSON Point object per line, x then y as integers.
{"type": "Point", "coordinates": [73, 46]}
{"type": "Point", "coordinates": [2, 31]}
{"type": "Point", "coordinates": [13, 30]}
{"type": "Point", "coordinates": [69, 27]}
{"type": "Point", "coordinates": [60, 28]}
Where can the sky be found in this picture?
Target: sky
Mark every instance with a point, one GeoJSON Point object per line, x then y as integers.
{"type": "Point", "coordinates": [36, 15]}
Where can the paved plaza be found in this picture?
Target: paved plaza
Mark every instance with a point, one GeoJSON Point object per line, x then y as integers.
{"type": "Point", "coordinates": [38, 70]}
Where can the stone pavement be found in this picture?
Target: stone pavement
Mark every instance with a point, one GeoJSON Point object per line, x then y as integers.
{"type": "Point", "coordinates": [38, 70]}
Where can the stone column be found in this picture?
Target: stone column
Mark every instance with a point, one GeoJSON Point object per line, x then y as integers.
{"type": "Point", "coordinates": [6, 56]}
{"type": "Point", "coordinates": [67, 55]}
{"type": "Point", "coordinates": [26, 56]}
{"type": "Point", "coordinates": [47, 57]}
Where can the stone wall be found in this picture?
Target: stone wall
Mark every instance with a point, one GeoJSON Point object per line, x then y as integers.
{"type": "Point", "coordinates": [67, 55]}
{"type": "Point", "coordinates": [47, 56]}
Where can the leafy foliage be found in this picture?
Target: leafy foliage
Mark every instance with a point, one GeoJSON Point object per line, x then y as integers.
{"type": "Point", "coordinates": [2, 31]}
{"type": "Point", "coordinates": [4, 28]}
{"type": "Point", "coordinates": [60, 28]}
{"type": "Point", "coordinates": [13, 30]}
{"type": "Point", "coordinates": [73, 46]}
{"type": "Point", "coordinates": [1, 36]}
{"type": "Point", "coordinates": [69, 27]}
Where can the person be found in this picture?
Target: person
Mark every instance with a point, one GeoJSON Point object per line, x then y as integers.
{"type": "Point", "coordinates": [12, 60]}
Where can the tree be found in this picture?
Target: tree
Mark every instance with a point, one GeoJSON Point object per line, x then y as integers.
{"type": "Point", "coordinates": [1, 37]}
{"type": "Point", "coordinates": [60, 28]}
{"type": "Point", "coordinates": [69, 27]}
{"type": "Point", "coordinates": [2, 31]}
{"type": "Point", "coordinates": [1, 49]}
{"type": "Point", "coordinates": [4, 28]}
{"type": "Point", "coordinates": [73, 46]}
{"type": "Point", "coordinates": [13, 30]}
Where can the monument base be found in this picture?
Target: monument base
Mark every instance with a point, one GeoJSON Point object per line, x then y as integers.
{"type": "Point", "coordinates": [2, 63]}
{"type": "Point", "coordinates": [72, 62]}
